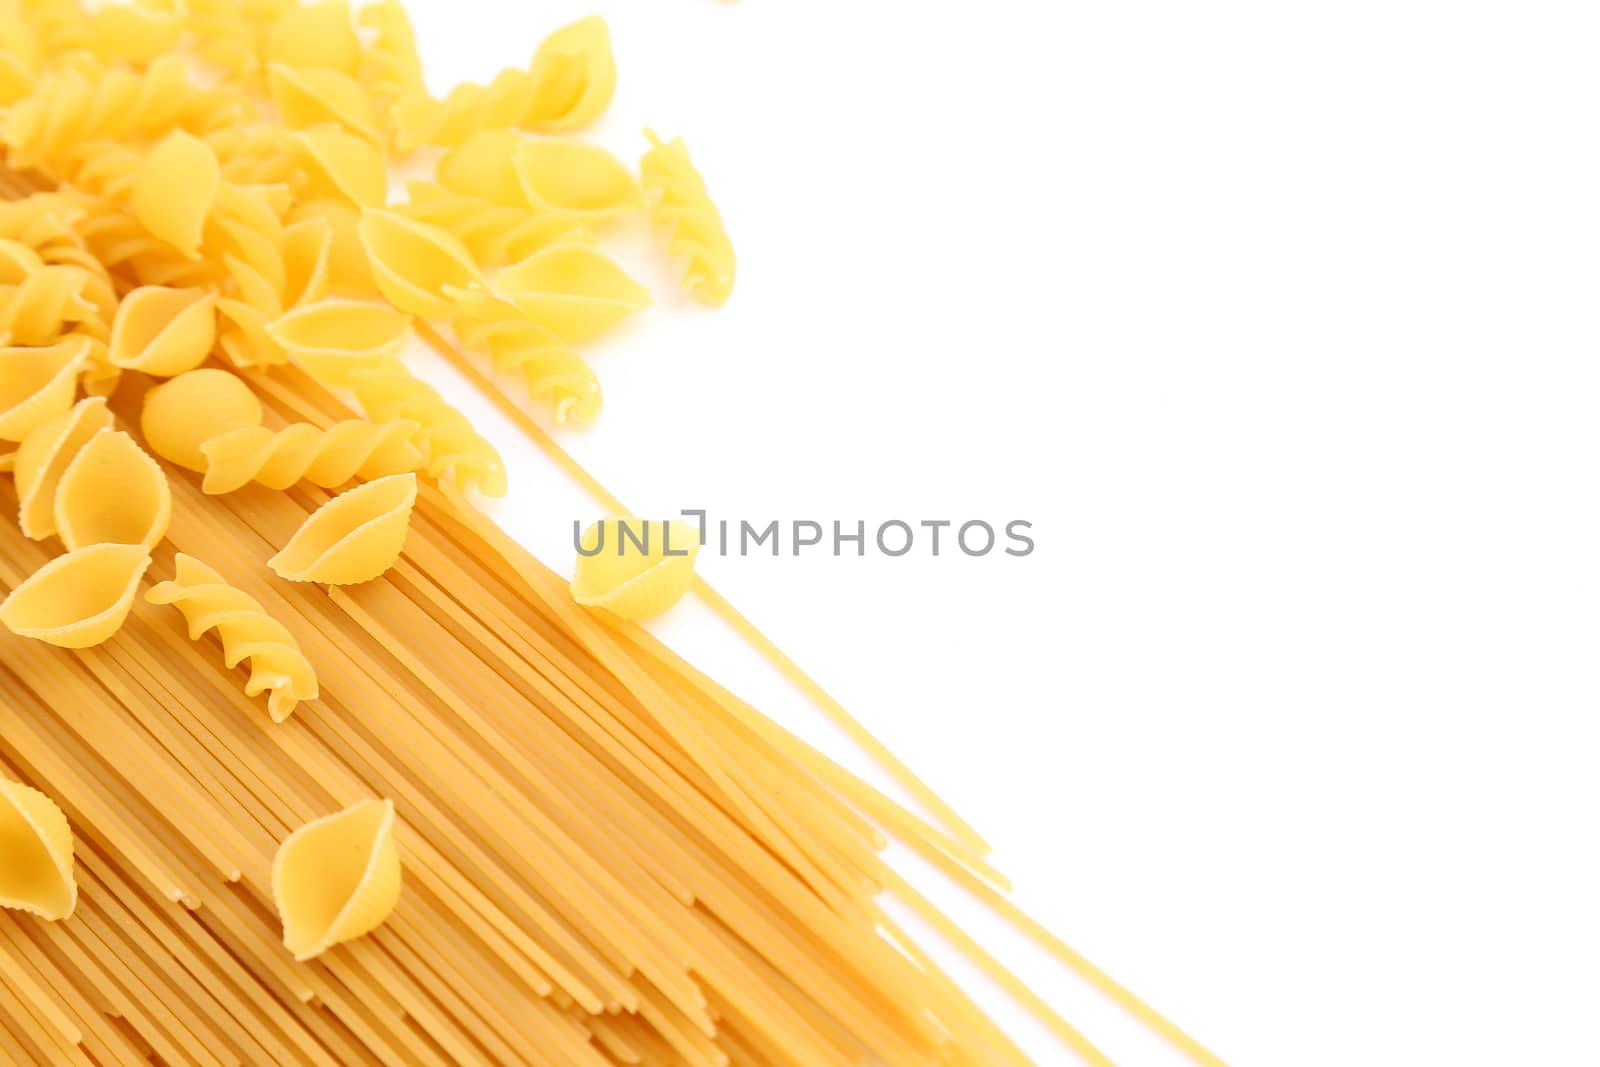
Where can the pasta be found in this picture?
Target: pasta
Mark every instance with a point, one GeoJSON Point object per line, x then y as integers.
{"type": "Point", "coordinates": [44, 455]}
{"type": "Point", "coordinates": [414, 263]}
{"type": "Point", "coordinates": [452, 449]}
{"type": "Point", "coordinates": [77, 600]}
{"type": "Point", "coordinates": [337, 877]}
{"type": "Point", "coordinates": [568, 84]}
{"type": "Point", "coordinates": [571, 290]}
{"type": "Point", "coordinates": [333, 338]}
{"type": "Point", "coordinates": [112, 492]}
{"type": "Point", "coordinates": [693, 223]}
{"type": "Point", "coordinates": [309, 97]}
{"type": "Point", "coordinates": [37, 384]}
{"type": "Point", "coordinates": [183, 413]}
{"type": "Point", "coordinates": [247, 632]}
{"type": "Point", "coordinates": [493, 234]}
{"type": "Point", "coordinates": [635, 568]}
{"type": "Point", "coordinates": [316, 35]}
{"type": "Point", "coordinates": [343, 165]}
{"type": "Point", "coordinates": [35, 854]}
{"type": "Point", "coordinates": [278, 459]}
{"type": "Point", "coordinates": [133, 32]}
{"type": "Point", "coordinates": [163, 332]}
{"type": "Point", "coordinates": [180, 161]}
{"type": "Point", "coordinates": [354, 537]}
{"type": "Point", "coordinates": [573, 178]}
{"type": "Point", "coordinates": [552, 372]}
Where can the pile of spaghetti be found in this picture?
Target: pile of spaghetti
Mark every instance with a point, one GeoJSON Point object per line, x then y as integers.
{"type": "Point", "coordinates": [205, 288]}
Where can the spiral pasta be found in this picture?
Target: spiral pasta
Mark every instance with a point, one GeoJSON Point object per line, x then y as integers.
{"type": "Point", "coordinates": [247, 632]}
{"type": "Point", "coordinates": [278, 459]}
{"type": "Point", "coordinates": [694, 225]}
{"type": "Point", "coordinates": [354, 537]}
{"type": "Point", "coordinates": [552, 371]}
{"type": "Point", "coordinates": [387, 392]}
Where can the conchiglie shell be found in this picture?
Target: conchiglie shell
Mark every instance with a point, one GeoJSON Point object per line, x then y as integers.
{"type": "Point", "coordinates": [79, 599]}
{"type": "Point", "coordinates": [176, 185]}
{"type": "Point", "coordinates": [37, 384]}
{"type": "Point", "coordinates": [575, 178]}
{"type": "Point", "coordinates": [44, 455]}
{"type": "Point", "coordinates": [632, 583]}
{"type": "Point", "coordinates": [343, 164]}
{"type": "Point", "coordinates": [112, 492]}
{"type": "Point", "coordinates": [162, 332]}
{"type": "Point", "coordinates": [352, 538]}
{"type": "Point", "coordinates": [481, 166]}
{"type": "Point", "coordinates": [35, 854]}
{"type": "Point", "coordinates": [337, 877]}
{"type": "Point", "coordinates": [307, 260]}
{"type": "Point", "coordinates": [571, 290]}
{"type": "Point", "coordinates": [348, 269]}
{"type": "Point", "coordinates": [182, 414]}
{"type": "Point", "coordinates": [333, 338]}
{"type": "Point", "coordinates": [307, 97]}
{"type": "Point", "coordinates": [413, 262]}
{"type": "Point", "coordinates": [574, 76]}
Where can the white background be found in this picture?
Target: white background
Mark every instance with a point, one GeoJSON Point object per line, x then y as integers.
{"type": "Point", "coordinates": [1278, 322]}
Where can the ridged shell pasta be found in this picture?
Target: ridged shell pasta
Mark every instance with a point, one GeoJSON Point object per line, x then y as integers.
{"type": "Point", "coordinates": [414, 263]}
{"type": "Point", "coordinates": [337, 877]}
{"type": "Point", "coordinates": [177, 184]}
{"type": "Point", "coordinates": [352, 538]}
{"type": "Point", "coordinates": [162, 331]}
{"type": "Point", "coordinates": [277, 459]}
{"type": "Point", "coordinates": [636, 574]}
{"type": "Point", "coordinates": [112, 492]}
{"type": "Point", "coordinates": [572, 291]}
{"type": "Point", "coordinates": [345, 165]}
{"type": "Point", "coordinates": [44, 455]}
{"type": "Point", "coordinates": [79, 599]}
{"type": "Point", "coordinates": [183, 413]}
{"type": "Point", "coordinates": [35, 854]}
{"type": "Point", "coordinates": [37, 384]}
{"type": "Point", "coordinates": [332, 338]}
{"type": "Point", "coordinates": [308, 97]}
{"type": "Point", "coordinates": [247, 632]}
{"type": "Point", "coordinates": [694, 225]}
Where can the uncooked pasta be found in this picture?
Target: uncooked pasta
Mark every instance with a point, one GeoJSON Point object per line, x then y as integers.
{"type": "Point", "coordinates": [485, 818]}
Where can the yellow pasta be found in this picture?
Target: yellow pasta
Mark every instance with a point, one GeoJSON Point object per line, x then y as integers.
{"type": "Point", "coordinates": [693, 223]}
{"type": "Point", "coordinates": [35, 854]}
{"type": "Point", "coordinates": [37, 384]}
{"type": "Point", "coordinates": [568, 84]}
{"type": "Point", "coordinates": [278, 459]}
{"type": "Point", "coordinates": [176, 186]}
{"type": "Point", "coordinates": [570, 177]}
{"type": "Point", "coordinates": [163, 332]}
{"type": "Point", "coordinates": [390, 65]}
{"type": "Point", "coordinates": [635, 568]}
{"type": "Point", "coordinates": [316, 35]}
{"type": "Point", "coordinates": [183, 413]}
{"type": "Point", "coordinates": [44, 455]}
{"type": "Point", "coordinates": [354, 537]}
{"type": "Point", "coordinates": [481, 167]}
{"type": "Point", "coordinates": [309, 97]}
{"type": "Point", "coordinates": [337, 877]}
{"type": "Point", "coordinates": [494, 234]}
{"type": "Point", "coordinates": [208, 602]}
{"type": "Point", "coordinates": [133, 32]}
{"type": "Point", "coordinates": [414, 263]}
{"type": "Point", "coordinates": [454, 451]}
{"type": "Point", "coordinates": [346, 267]}
{"type": "Point", "coordinates": [571, 290]}
{"type": "Point", "coordinates": [334, 338]}
{"type": "Point", "coordinates": [112, 492]}
{"type": "Point", "coordinates": [344, 165]}
{"type": "Point", "coordinates": [79, 599]}
{"type": "Point", "coordinates": [552, 371]}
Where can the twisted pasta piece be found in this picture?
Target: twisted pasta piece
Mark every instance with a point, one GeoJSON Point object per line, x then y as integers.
{"type": "Point", "coordinates": [277, 459]}
{"type": "Point", "coordinates": [552, 371]}
{"type": "Point", "coordinates": [247, 632]}
{"type": "Point", "coordinates": [387, 392]}
{"type": "Point", "coordinates": [693, 223]}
